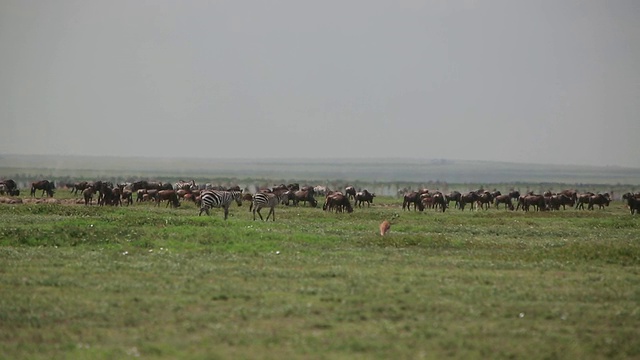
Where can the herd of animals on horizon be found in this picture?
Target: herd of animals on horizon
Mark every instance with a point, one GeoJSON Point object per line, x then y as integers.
{"type": "Point", "coordinates": [208, 196]}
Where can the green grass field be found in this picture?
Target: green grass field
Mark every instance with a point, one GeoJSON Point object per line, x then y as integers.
{"type": "Point", "coordinates": [104, 283]}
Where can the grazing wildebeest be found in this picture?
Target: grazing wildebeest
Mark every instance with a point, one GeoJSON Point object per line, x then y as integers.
{"type": "Point", "coordinates": [601, 200]}
{"type": "Point", "coordinates": [44, 185]}
{"type": "Point", "coordinates": [304, 196]}
{"type": "Point", "coordinates": [435, 200]}
{"type": "Point", "coordinates": [170, 196]}
{"type": "Point", "coordinates": [412, 198]}
{"type": "Point", "coordinates": [503, 199]}
{"type": "Point", "coordinates": [10, 187]}
{"type": "Point", "coordinates": [350, 192]}
{"type": "Point", "coordinates": [364, 196]}
{"type": "Point", "coordinates": [338, 202]}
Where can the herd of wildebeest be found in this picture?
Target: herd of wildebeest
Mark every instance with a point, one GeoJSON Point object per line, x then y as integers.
{"type": "Point", "coordinates": [106, 193]}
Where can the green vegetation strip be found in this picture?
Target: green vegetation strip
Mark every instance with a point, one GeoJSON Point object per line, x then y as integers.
{"type": "Point", "coordinates": [102, 283]}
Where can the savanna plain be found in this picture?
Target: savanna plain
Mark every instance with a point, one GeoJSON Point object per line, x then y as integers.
{"type": "Point", "coordinates": [154, 282]}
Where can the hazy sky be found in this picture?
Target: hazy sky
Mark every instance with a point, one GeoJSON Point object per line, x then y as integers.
{"type": "Point", "coordinates": [519, 81]}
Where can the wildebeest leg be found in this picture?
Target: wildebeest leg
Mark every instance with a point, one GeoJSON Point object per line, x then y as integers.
{"type": "Point", "coordinates": [226, 212]}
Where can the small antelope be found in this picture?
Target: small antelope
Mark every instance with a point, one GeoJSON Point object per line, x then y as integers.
{"type": "Point", "coordinates": [384, 227]}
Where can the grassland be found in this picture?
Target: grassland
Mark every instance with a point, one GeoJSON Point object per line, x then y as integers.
{"type": "Point", "coordinates": [103, 283]}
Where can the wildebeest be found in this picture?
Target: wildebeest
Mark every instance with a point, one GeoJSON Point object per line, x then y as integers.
{"type": "Point", "coordinates": [87, 194]}
{"type": "Point", "coordinates": [337, 202]}
{"type": "Point", "coordinates": [44, 185]}
{"type": "Point", "coordinates": [537, 201]}
{"type": "Point", "coordinates": [633, 203]}
{"type": "Point", "coordinates": [304, 196]}
{"type": "Point", "coordinates": [170, 196]}
{"type": "Point", "coordinates": [582, 199]}
{"type": "Point", "coordinates": [350, 192]}
{"type": "Point", "coordinates": [503, 199]}
{"type": "Point", "coordinates": [560, 199]}
{"type": "Point", "coordinates": [601, 200]}
{"type": "Point", "coordinates": [364, 196]}
{"type": "Point", "coordinates": [78, 187]}
{"type": "Point", "coordinates": [454, 196]}
{"type": "Point", "coordinates": [412, 198]}
{"type": "Point", "coordinates": [434, 200]}
{"type": "Point", "coordinates": [485, 200]}
{"type": "Point", "coordinates": [320, 190]}
{"type": "Point", "coordinates": [514, 195]}
{"type": "Point", "coordinates": [468, 198]}
{"type": "Point", "coordinates": [10, 187]}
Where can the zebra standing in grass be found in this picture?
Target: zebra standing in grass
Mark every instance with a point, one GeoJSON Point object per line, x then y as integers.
{"type": "Point", "coordinates": [270, 200]}
{"type": "Point", "coordinates": [217, 199]}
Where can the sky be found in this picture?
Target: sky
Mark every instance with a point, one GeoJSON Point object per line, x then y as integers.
{"type": "Point", "coordinates": [548, 81]}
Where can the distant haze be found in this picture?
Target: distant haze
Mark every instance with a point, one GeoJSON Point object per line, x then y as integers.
{"type": "Point", "coordinates": [549, 82]}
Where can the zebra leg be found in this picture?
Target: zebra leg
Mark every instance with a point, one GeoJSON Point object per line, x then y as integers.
{"type": "Point", "coordinates": [271, 212]}
{"type": "Point", "coordinates": [226, 212]}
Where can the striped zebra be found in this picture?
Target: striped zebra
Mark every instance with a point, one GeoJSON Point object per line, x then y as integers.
{"type": "Point", "coordinates": [217, 199]}
{"type": "Point", "coordinates": [270, 200]}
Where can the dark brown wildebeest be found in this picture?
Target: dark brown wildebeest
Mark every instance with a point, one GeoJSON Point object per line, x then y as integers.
{"type": "Point", "coordinates": [633, 203]}
{"type": "Point", "coordinates": [79, 187]}
{"type": "Point", "coordinates": [10, 187]}
{"type": "Point", "coordinates": [537, 201]}
{"type": "Point", "coordinates": [582, 199]}
{"type": "Point", "coordinates": [485, 200]}
{"type": "Point", "coordinates": [170, 196]}
{"type": "Point", "coordinates": [350, 192]}
{"type": "Point", "coordinates": [571, 194]}
{"type": "Point", "coordinates": [87, 194]}
{"type": "Point", "coordinates": [434, 200]}
{"type": "Point", "coordinates": [364, 196]}
{"type": "Point", "coordinates": [468, 198]}
{"type": "Point", "coordinates": [454, 196]}
{"type": "Point", "coordinates": [601, 200]}
{"type": "Point", "coordinates": [514, 195]}
{"type": "Point", "coordinates": [412, 198]}
{"type": "Point", "coordinates": [44, 185]}
{"type": "Point", "coordinates": [503, 199]}
{"type": "Point", "coordinates": [560, 199]}
{"type": "Point", "coordinates": [304, 196]}
{"type": "Point", "coordinates": [337, 202]}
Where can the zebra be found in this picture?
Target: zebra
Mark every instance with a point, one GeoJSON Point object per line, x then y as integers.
{"type": "Point", "coordinates": [214, 198]}
{"type": "Point", "coordinates": [270, 200]}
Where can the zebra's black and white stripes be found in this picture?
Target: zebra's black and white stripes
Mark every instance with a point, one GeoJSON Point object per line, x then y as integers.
{"type": "Point", "coordinates": [269, 200]}
{"type": "Point", "coordinates": [217, 199]}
